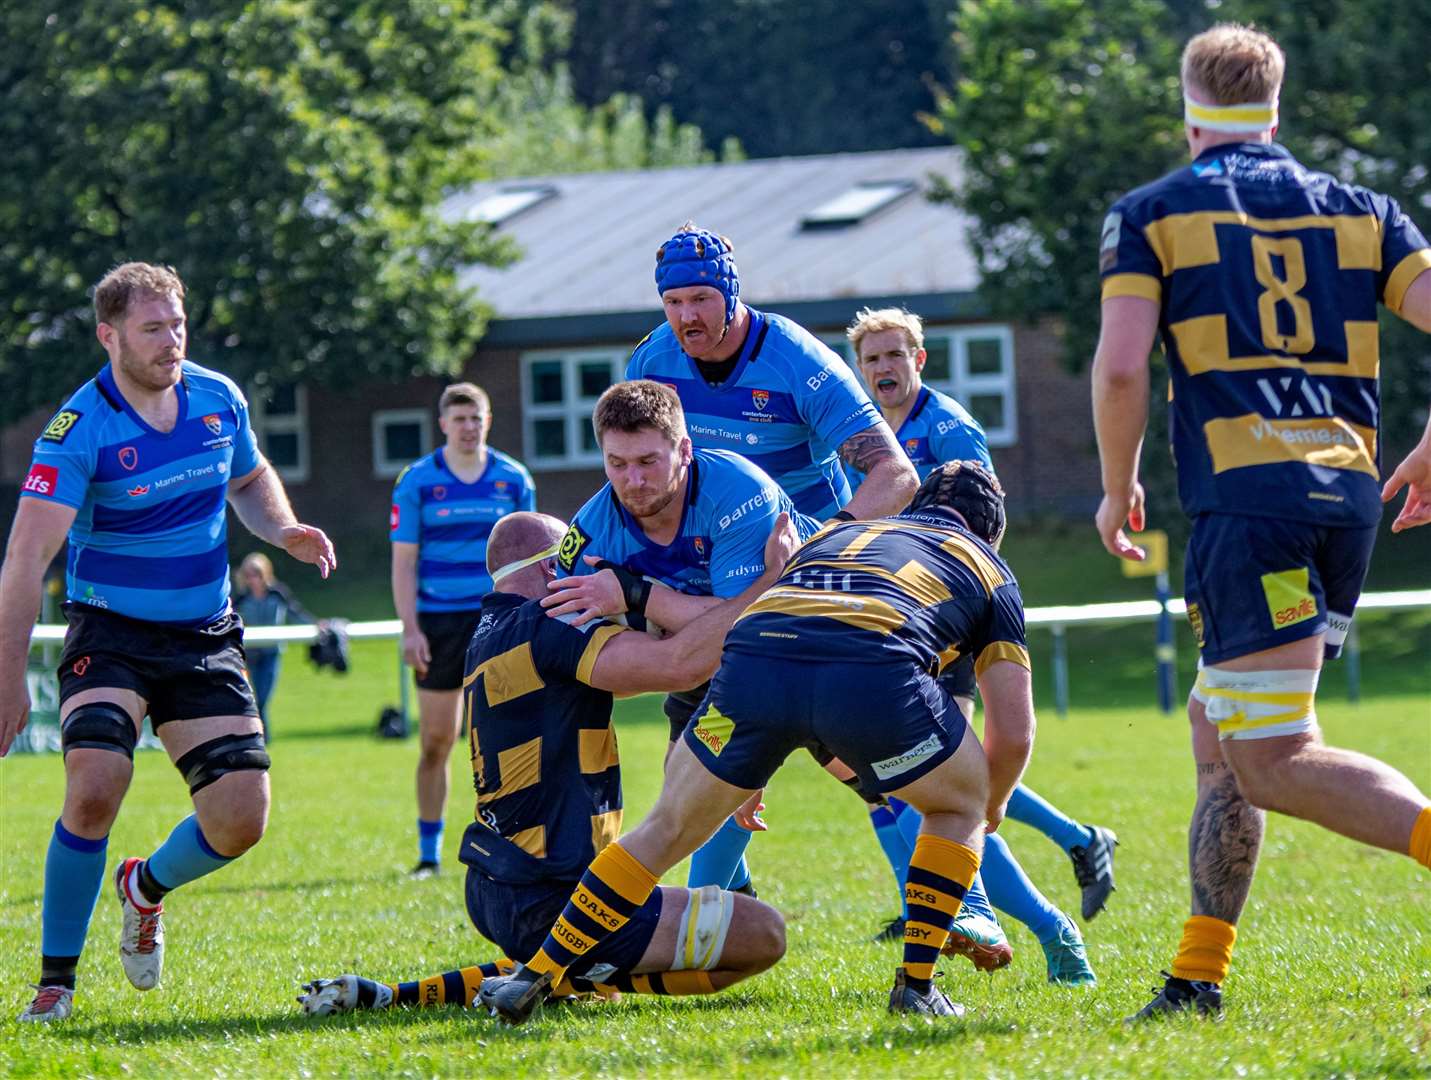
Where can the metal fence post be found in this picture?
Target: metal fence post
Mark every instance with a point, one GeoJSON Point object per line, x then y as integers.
{"type": "Point", "coordinates": [1060, 671]}
{"type": "Point", "coordinates": [1353, 658]}
{"type": "Point", "coordinates": [1166, 652]}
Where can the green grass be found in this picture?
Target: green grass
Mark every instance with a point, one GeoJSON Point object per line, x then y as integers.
{"type": "Point", "coordinates": [1332, 975]}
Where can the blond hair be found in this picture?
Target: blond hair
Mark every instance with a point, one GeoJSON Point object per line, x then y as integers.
{"type": "Point", "coordinates": [870, 321]}
{"type": "Point", "coordinates": [1232, 64]}
{"type": "Point", "coordinates": [258, 561]}
{"type": "Point", "coordinates": [464, 393]}
{"type": "Point", "coordinates": [639, 404]}
{"type": "Point", "coordinates": [132, 281]}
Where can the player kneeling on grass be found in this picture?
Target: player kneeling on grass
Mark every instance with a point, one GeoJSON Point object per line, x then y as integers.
{"type": "Point", "coordinates": [858, 626]}
{"type": "Point", "coordinates": [538, 692]}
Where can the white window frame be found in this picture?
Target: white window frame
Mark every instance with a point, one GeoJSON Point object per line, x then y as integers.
{"type": "Point", "coordinates": [295, 423]}
{"type": "Point", "coordinates": [573, 409]}
{"type": "Point", "coordinates": [963, 384]}
{"type": "Point", "coordinates": [383, 466]}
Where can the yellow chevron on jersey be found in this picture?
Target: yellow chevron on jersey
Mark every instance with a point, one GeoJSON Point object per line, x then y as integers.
{"type": "Point", "coordinates": [1182, 241]}
{"type": "Point", "coordinates": [865, 612]}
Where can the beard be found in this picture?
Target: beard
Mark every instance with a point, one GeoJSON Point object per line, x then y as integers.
{"type": "Point", "coordinates": [143, 371]}
{"type": "Point", "coordinates": [655, 505]}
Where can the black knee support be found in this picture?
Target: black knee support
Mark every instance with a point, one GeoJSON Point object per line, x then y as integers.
{"type": "Point", "coordinates": [209, 761]}
{"type": "Point", "coordinates": [99, 725]}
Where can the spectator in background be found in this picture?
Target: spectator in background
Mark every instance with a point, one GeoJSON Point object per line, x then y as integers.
{"type": "Point", "coordinates": [264, 601]}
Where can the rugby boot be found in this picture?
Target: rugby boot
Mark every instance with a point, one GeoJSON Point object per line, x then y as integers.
{"type": "Point", "coordinates": [1181, 995]}
{"type": "Point", "coordinates": [346, 993]}
{"type": "Point", "coordinates": [50, 1003]}
{"type": "Point", "coordinates": [1067, 958]}
{"type": "Point", "coordinates": [424, 870]}
{"type": "Point", "coordinates": [979, 938]}
{"type": "Point", "coordinates": [1093, 867]}
{"type": "Point", "coordinates": [141, 939]}
{"type": "Point", "coordinates": [933, 1002]}
{"type": "Point", "coordinates": [513, 998]}
{"type": "Point", "coordinates": [893, 930]}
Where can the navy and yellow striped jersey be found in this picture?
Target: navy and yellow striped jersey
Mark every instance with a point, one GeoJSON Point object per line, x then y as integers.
{"type": "Point", "coordinates": [1268, 275]}
{"type": "Point", "coordinates": [544, 758]}
{"type": "Point", "coordinates": [915, 586]}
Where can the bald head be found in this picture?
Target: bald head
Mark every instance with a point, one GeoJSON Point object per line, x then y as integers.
{"type": "Point", "coordinates": [521, 536]}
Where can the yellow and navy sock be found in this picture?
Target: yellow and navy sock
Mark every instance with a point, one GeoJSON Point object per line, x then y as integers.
{"type": "Point", "coordinates": [940, 872]}
{"type": "Point", "coordinates": [450, 988]}
{"type": "Point", "coordinates": [1206, 950]}
{"type": "Point", "coordinates": [1420, 849]}
{"type": "Point", "coordinates": [604, 900]}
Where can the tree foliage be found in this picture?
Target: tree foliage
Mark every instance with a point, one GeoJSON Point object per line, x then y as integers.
{"type": "Point", "coordinates": [289, 158]}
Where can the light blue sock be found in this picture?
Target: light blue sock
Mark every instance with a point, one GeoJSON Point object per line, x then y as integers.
{"type": "Point", "coordinates": [184, 856]}
{"type": "Point", "coordinates": [429, 840]}
{"type": "Point", "coordinates": [721, 859]}
{"type": "Point", "coordinates": [1026, 806]}
{"type": "Point", "coordinates": [1012, 892]}
{"type": "Point", "coordinates": [910, 821]}
{"type": "Point", "coordinates": [894, 846]}
{"type": "Point", "coordinates": [74, 872]}
{"type": "Point", "coordinates": [976, 901]}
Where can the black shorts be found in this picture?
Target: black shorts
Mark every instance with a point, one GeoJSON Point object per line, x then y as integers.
{"type": "Point", "coordinates": [517, 919]}
{"type": "Point", "coordinates": [1254, 583]}
{"type": "Point", "coordinates": [889, 722]}
{"type": "Point", "coordinates": [959, 680]}
{"type": "Point", "coordinates": [448, 634]}
{"type": "Point", "coordinates": [681, 706]}
{"type": "Point", "coordinates": [183, 672]}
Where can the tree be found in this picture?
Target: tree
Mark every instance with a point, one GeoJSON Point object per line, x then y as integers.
{"type": "Point", "coordinates": [289, 159]}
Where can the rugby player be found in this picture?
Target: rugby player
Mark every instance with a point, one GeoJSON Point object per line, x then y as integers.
{"type": "Point", "coordinates": [760, 385]}
{"type": "Point", "coordinates": [548, 778]}
{"type": "Point", "coordinates": [135, 470]}
{"type": "Point", "coordinates": [881, 607]}
{"type": "Point", "coordinates": [932, 428]}
{"type": "Point", "coordinates": [1263, 278]}
{"type": "Point", "coordinates": [444, 505]}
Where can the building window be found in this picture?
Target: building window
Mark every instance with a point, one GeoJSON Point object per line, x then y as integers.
{"type": "Point", "coordinates": [279, 414]}
{"type": "Point", "coordinates": [400, 437]}
{"type": "Point", "coordinates": [972, 364]}
{"type": "Point", "coordinates": [559, 391]}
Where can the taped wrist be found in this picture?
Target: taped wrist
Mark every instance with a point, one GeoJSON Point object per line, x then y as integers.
{"type": "Point", "coordinates": [635, 588]}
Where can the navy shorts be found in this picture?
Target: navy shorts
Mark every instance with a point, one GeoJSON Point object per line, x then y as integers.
{"type": "Point", "coordinates": [680, 706]}
{"type": "Point", "coordinates": [517, 919]}
{"type": "Point", "coordinates": [889, 722]}
{"type": "Point", "coordinates": [182, 672]}
{"type": "Point", "coordinates": [448, 634]}
{"type": "Point", "coordinates": [1254, 583]}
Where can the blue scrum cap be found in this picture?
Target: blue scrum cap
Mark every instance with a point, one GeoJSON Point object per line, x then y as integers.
{"type": "Point", "coordinates": [698, 257]}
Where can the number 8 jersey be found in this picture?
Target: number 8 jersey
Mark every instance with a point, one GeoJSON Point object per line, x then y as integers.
{"type": "Point", "coordinates": [1268, 275]}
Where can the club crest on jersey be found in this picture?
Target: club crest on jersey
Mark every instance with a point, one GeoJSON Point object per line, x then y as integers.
{"type": "Point", "coordinates": [500, 485]}
{"type": "Point", "coordinates": [700, 543]}
{"type": "Point", "coordinates": [58, 429]}
{"type": "Point", "coordinates": [439, 493]}
{"type": "Point", "coordinates": [911, 446]}
{"type": "Point", "coordinates": [761, 398]}
{"type": "Point", "coordinates": [129, 457]}
{"type": "Point", "coordinates": [214, 423]}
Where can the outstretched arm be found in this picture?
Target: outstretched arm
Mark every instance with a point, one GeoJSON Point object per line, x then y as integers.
{"type": "Point", "coordinates": [890, 480]}
{"type": "Point", "coordinates": [1120, 415]}
{"type": "Point", "coordinates": [262, 505]}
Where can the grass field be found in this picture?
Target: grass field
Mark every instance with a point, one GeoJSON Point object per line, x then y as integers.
{"type": "Point", "coordinates": [1332, 975]}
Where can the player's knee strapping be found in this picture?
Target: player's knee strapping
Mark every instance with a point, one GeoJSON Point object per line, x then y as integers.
{"type": "Point", "coordinates": [1258, 704]}
{"type": "Point", "coordinates": [700, 938]}
{"type": "Point", "coordinates": [216, 758]}
{"type": "Point", "coordinates": [99, 725]}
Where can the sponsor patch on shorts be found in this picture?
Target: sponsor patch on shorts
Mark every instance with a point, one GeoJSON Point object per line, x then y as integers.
{"type": "Point", "coordinates": [892, 767]}
{"type": "Point", "coordinates": [1195, 621]}
{"type": "Point", "coordinates": [1289, 597]}
{"type": "Point", "coordinates": [713, 730]}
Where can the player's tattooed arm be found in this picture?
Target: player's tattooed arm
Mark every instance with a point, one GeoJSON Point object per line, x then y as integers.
{"type": "Point", "coordinates": [890, 480]}
{"type": "Point", "coordinates": [1223, 842]}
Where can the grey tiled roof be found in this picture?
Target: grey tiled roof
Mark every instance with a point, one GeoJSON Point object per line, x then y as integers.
{"type": "Point", "coordinates": [591, 249]}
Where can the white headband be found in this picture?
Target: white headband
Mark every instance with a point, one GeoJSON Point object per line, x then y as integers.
{"type": "Point", "coordinates": [522, 564]}
{"type": "Point", "coordinates": [1249, 117]}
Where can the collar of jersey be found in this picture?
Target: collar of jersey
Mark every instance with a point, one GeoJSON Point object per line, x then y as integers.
{"type": "Point", "coordinates": [754, 338]}
{"type": "Point", "coordinates": [693, 487]}
{"type": "Point", "coordinates": [106, 380]}
{"type": "Point", "coordinates": [440, 460]}
{"type": "Point", "coordinates": [1274, 150]}
{"type": "Point", "coordinates": [919, 404]}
